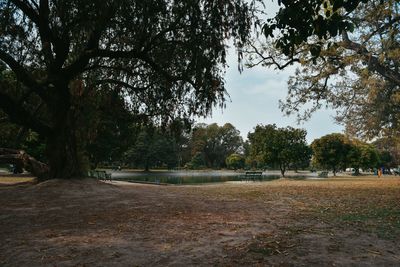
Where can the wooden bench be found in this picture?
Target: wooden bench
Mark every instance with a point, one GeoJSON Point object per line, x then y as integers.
{"type": "Point", "coordinates": [100, 175]}
{"type": "Point", "coordinates": [323, 174]}
{"type": "Point", "coordinates": [252, 176]}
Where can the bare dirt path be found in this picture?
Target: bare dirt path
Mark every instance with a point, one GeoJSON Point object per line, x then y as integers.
{"type": "Point", "coordinates": [341, 222]}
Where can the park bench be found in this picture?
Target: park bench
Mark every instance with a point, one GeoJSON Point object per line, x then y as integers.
{"type": "Point", "coordinates": [323, 174]}
{"type": "Point", "coordinates": [252, 176]}
{"type": "Point", "coordinates": [99, 175]}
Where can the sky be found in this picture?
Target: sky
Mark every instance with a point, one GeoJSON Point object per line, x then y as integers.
{"type": "Point", "coordinates": [254, 99]}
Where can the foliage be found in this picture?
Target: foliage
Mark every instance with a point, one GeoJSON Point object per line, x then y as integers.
{"type": "Point", "coordinates": [114, 130]}
{"type": "Point", "coordinates": [197, 161]}
{"type": "Point", "coordinates": [331, 152]}
{"type": "Point", "coordinates": [348, 55]}
{"type": "Point", "coordinates": [8, 133]}
{"type": "Point", "coordinates": [14, 136]}
{"type": "Point", "coordinates": [337, 152]}
{"type": "Point", "coordinates": [216, 143]}
{"type": "Point", "coordinates": [298, 21]}
{"type": "Point", "coordinates": [235, 161]}
{"type": "Point", "coordinates": [152, 148]}
{"type": "Point", "coordinates": [362, 155]}
{"type": "Point", "coordinates": [165, 58]}
{"type": "Point", "coordinates": [281, 147]}
{"type": "Point", "coordinates": [389, 149]}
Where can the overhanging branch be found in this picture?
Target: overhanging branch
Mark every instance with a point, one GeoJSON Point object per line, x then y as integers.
{"type": "Point", "coordinates": [372, 61]}
{"type": "Point", "coordinates": [20, 116]}
{"type": "Point", "coordinates": [22, 75]}
{"type": "Point", "coordinates": [27, 10]}
{"type": "Point", "coordinates": [270, 60]}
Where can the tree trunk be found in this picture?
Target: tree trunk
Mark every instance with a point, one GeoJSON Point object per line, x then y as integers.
{"type": "Point", "coordinates": [283, 169]}
{"type": "Point", "coordinates": [21, 158]}
{"type": "Point", "coordinates": [64, 155]}
{"type": "Point", "coordinates": [65, 144]}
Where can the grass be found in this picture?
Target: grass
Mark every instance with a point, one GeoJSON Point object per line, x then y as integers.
{"type": "Point", "coordinates": [385, 222]}
{"type": "Point", "coordinates": [367, 203]}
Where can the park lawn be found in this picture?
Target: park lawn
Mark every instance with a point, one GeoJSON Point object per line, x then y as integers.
{"type": "Point", "coordinates": [335, 221]}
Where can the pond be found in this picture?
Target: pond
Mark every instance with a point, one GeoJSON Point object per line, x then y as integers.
{"type": "Point", "coordinates": [190, 177]}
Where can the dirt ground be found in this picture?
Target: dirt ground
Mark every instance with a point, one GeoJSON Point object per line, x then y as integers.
{"type": "Point", "coordinates": [333, 222]}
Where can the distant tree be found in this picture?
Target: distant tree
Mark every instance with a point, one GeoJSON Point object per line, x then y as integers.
{"type": "Point", "coordinates": [362, 155]}
{"type": "Point", "coordinates": [235, 161]}
{"type": "Point", "coordinates": [180, 130]}
{"type": "Point", "coordinates": [152, 148]}
{"type": "Point", "coordinates": [369, 157]}
{"type": "Point", "coordinates": [197, 161]}
{"type": "Point", "coordinates": [386, 160]}
{"type": "Point", "coordinates": [282, 147]}
{"type": "Point", "coordinates": [113, 132]}
{"type": "Point", "coordinates": [389, 149]}
{"type": "Point", "coordinates": [216, 143]}
{"type": "Point", "coordinates": [331, 152]}
{"type": "Point", "coordinates": [303, 161]}
{"type": "Point", "coordinates": [256, 141]}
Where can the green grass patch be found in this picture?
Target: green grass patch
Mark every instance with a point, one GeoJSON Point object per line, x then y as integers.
{"type": "Point", "coordinates": [385, 222]}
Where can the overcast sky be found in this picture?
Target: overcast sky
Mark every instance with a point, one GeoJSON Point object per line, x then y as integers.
{"type": "Point", "coordinates": [255, 95]}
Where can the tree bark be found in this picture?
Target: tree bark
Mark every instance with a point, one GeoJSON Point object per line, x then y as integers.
{"type": "Point", "coordinates": [63, 153]}
{"type": "Point", "coordinates": [283, 169]}
{"type": "Point", "coordinates": [64, 145]}
{"type": "Point", "coordinates": [146, 167]}
{"type": "Point", "coordinates": [20, 157]}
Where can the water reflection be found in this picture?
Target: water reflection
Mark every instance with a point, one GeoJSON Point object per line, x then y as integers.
{"type": "Point", "coordinates": [192, 177]}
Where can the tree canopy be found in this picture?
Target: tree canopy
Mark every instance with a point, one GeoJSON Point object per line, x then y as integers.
{"type": "Point", "coordinates": [362, 155]}
{"type": "Point", "coordinates": [215, 143]}
{"type": "Point", "coordinates": [348, 57]}
{"type": "Point", "coordinates": [279, 147]}
{"type": "Point", "coordinates": [337, 152]}
{"type": "Point", "coordinates": [331, 152]}
{"type": "Point", "coordinates": [165, 58]}
{"type": "Point", "coordinates": [235, 161]}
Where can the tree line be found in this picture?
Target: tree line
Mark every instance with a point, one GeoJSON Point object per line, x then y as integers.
{"type": "Point", "coordinates": [183, 144]}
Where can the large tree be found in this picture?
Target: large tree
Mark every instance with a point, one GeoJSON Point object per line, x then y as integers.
{"type": "Point", "coordinates": [153, 147]}
{"type": "Point", "coordinates": [348, 55]}
{"type": "Point", "coordinates": [389, 150]}
{"type": "Point", "coordinates": [280, 147]}
{"type": "Point", "coordinates": [164, 57]}
{"type": "Point", "coordinates": [215, 143]}
{"type": "Point", "coordinates": [331, 152]}
{"type": "Point", "coordinates": [362, 155]}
